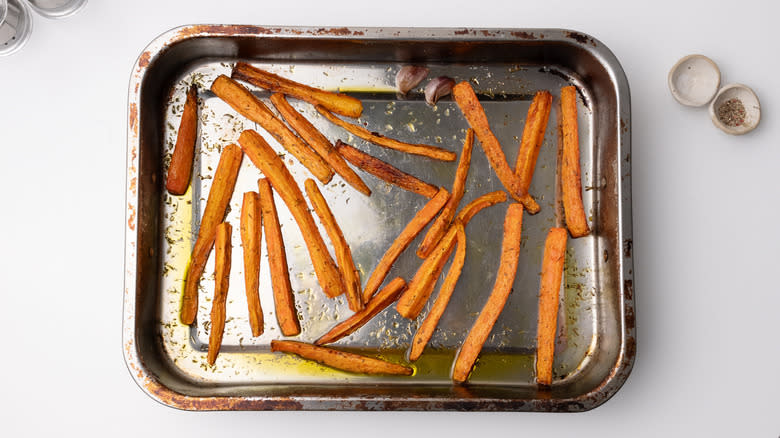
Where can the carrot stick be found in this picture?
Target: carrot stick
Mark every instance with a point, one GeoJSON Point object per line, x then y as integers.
{"type": "Point", "coordinates": [318, 142]}
{"type": "Point", "coordinates": [243, 101]}
{"type": "Point", "coordinates": [425, 150]}
{"type": "Point", "coordinates": [550, 286]}
{"type": "Point", "coordinates": [274, 169]}
{"type": "Point", "coordinates": [284, 300]}
{"type": "Point", "coordinates": [219, 196]}
{"type": "Point", "coordinates": [510, 252]}
{"type": "Point", "coordinates": [570, 167]}
{"type": "Point", "coordinates": [343, 254]}
{"type": "Point", "coordinates": [336, 102]}
{"type": "Point", "coordinates": [469, 104]}
{"type": "Point", "coordinates": [383, 298]}
{"type": "Point", "coordinates": [420, 288]}
{"type": "Point", "coordinates": [425, 332]}
{"type": "Point", "coordinates": [439, 226]}
{"type": "Point", "coordinates": [533, 135]}
{"type": "Point", "coordinates": [251, 233]}
{"type": "Point", "coordinates": [180, 169]}
{"type": "Point", "coordinates": [350, 362]}
{"type": "Point", "coordinates": [472, 208]}
{"type": "Point", "coordinates": [222, 276]}
{"type": "Point", "coordinates": [412, 229]}
{"type": "Point", "coordinates": [385, 171]}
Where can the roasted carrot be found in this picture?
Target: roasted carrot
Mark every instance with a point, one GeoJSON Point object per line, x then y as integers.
{"type": "Point", "coordinates": [475, 206]}
{"type": "Point", "coordinates": [425, 150]}
{"type": "Point", "coordinates": [349, 272]}
{"type": "Point", "coordinates": [222, 276]}
{"type": "Point", "coordinates": [180, 169]}
{"type": "Point", "coordinates": [318, 142]}
{"type": "Point", "coordinates": [219, 196]}
{"type": "Point", "coordinates": [385, 171]}
{"type": "Point", "coordinates": [425, 332]}
{"type": "Point", "coordinates": [350, 362]}
{"type": "Point", "coordinates": [533, 135]}
{"type": "Point", "coordinates": [576, 221]}
{"type": "Point", "coordinates": [412, 229]}
{"type": "Point", "coordinates": [420, 288]}
{"type": "Point", "coordinates": [266, 159]}
{"type": "Point", "coordinates": [336, 102]}
{"type": "Point", "coordinates": [243, 101]}
{"type": "Point", "coordinates": [439, 226]}
{"type": "Point", "coordinates": [251, 234]}
{"type": "Point", "coordinates": [475, 115]}
{"type": "Point", "coordinates": [510, 252]}
{"type": "Point", "coordinates": [383, 298]}
{"type": "Point", "coordinates": [284, 300]}
{"type": "Point", "coordinates": [550, 286]}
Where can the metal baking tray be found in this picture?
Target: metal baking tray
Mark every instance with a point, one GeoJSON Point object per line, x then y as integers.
{"type": "Point", "coordinates": [595, 345]}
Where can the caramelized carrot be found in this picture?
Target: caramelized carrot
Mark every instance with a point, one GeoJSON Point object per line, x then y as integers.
{"type": "Point", "coordinates": [180, 169]}
{"type": "Point", "coordinates": [266, 159]}
{"type": "Point", "coordinates": [439, 226]}
{"type": "Point", "coordinates": [343, 254]}
{"type": "Point", "coordinates": [336, 102]}
{"type": "Point", "coordinates": [383, 298]}
{"type": "Point", "coordinates": [507, 268]}
{"type": "Point", "coordinates": [412, 229]}
{"type": "Point", "coordinates": [222, 257]}
{"type": "Point", "coordinates": [219, 196]}
{"type": "Point", "coordinates": [425, 332]}
{"type": "Point", "coordinates": [576, 221]}
{"type": "Point", "coordinates": [251, 234]}
{"type": "Point", "coordinates": [550, 286]}
{"type": "Point", "coordinates": [425, 150]}
{"type": "Point", "coordinates": [284, 300]}
{"type": "Point", "coordinates": [469, 104]}
{"type": "Point", "coordinates": [350, 362]}
{"type": "Point", "coordinates": [533, 135]}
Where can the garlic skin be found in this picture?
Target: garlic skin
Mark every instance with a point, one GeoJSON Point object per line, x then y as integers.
{"type": "Point", "coordinates": [408, 77]}
{"type": "Point", "coordinates": [438, 88]}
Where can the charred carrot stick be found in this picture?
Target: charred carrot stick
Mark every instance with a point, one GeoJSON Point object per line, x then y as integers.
{"type": "Point", "coordinates": [336, 102]}
{"type": "Point", "coordinates": [420, 288]}
{"type": "Point", "coordinates": [472, 208]}
{"type": "Point", "coordinates": [439, 226]}
{"type": "Point", "coordinates": [266, 159]}
{"type": "Point", "coordinates": [576, 221]}
{"type": "Point", "coordinates": [383, 298]}
{"type": "Point", "coordinates": [343, 254]}
{"type": "Point", "coordinates": [385, 171]}
{"type": "Point", "coordinates": [412, 229]}
{"type": "Point", "coordinates": [180, 169]}
{"type": "Point", "coordinates": [251, 234]}
{"type": "Point", "coordinates": [219, 196]}
{"type": "Point", "coordinates": [222, 273]}
{"type": "Point", "coordinates": [284, 300]}
{"type": "Point", "coordinates": [353, 363]}
{"type": "Point", "coordinates": [471, 108]}
{"type": "Point", "coordinates": [243, 101]}
{"type": "Point", "coordinates": [533, 135]}
{"type": "Point", "coordinates": [510, 252]}
{"type": "Point", "coordinates": [318, 142]}
{"type": "Point", "coordinates": [425, 332]}
{"type": "Point", "coordinates": [425, 150]}
{"type": "Point", "coordinates": [550, 286]}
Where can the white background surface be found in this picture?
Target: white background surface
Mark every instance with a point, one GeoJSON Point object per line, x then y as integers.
{"type": "Point", "coordinates": [705, 224]}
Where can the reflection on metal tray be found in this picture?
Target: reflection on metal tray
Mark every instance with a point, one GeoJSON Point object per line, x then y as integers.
{"type": "Point", "coordinates": [595, 345]}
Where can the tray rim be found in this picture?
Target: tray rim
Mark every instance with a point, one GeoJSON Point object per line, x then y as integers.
{"type": "Point", "coordinates": [151, 385]}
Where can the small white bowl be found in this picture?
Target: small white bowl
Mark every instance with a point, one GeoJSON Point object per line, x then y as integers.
{"type": "Point", "coordinates": [749, 100]}
{"type": "Point", "coordinates": [694, 80]}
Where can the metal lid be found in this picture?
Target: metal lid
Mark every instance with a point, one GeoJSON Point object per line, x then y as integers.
{"type": "Point", "coordinates": [57, 8]}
